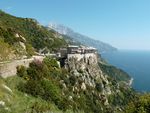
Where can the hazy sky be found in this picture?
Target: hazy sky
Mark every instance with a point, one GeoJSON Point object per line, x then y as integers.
{"type": "Point", "coordinates": [123, 23]}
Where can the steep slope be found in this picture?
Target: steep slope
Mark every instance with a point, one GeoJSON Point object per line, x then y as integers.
{"type": "Point", "coordinates": [80, 87]}
{"type": "Point", "coordinates": [114, 72]}
{"type": "Point", "coordinates": [83, 85]}
{"type": "Point", "coordinates": [85, 40]}
{"type": "Point", "coordinates": [14, 101]}
{"type": "Point", "coordinates": [25, 35]}
{"type": "Point", "coordinates": [110, 88]}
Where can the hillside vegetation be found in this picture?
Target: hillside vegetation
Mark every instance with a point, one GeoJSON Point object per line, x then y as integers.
{"type": "Point", "coordinates": [114, 72]}
{"type": "Point", "coordinates": [14, 101]}
{"type": "Point", "coordinates": [25, 36]}
{"type": "Point", "coordinates": [140, 105]}
{"type": "Point", "coordinates": [69, 91]}
{"type": "Point", "coordinates": [5, 50]}
{"type": "Point", "coordinates": [81, 86]}
{"type": "Point", "coordinates": [44, 87]}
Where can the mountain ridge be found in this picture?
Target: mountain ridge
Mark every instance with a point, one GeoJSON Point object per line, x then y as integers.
{"type": "Point", "coordinates": [83, 39]}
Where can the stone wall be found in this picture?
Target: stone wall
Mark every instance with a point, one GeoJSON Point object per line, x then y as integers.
{"type": "Point", "coordinates": [92, 56]}
{"type": "Point", "coordinates": [9, 68]}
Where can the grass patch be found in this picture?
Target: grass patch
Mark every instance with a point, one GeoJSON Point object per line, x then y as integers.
{"type": "Point", "coordinates": [19, 102]}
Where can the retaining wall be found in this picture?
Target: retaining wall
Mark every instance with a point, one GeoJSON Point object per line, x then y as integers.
{"type": "Point", "coordinates": [9, 68]}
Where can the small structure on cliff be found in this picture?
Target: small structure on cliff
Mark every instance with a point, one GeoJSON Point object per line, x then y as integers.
{"type": "Point", "coordinates": [87, 54]}
{"type": "Point", "coordinates": [80, 49]}
{"type": "Point", "coordinates": [79, 52]}
{"type": "Point", "coordinates": [73, 49]}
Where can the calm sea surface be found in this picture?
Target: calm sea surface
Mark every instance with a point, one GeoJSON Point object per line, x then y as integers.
{"type": "Point", "coordinates": [135, 63]}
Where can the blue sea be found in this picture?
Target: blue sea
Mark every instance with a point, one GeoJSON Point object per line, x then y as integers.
{"type": "Point", "coordinates": [135, 63]}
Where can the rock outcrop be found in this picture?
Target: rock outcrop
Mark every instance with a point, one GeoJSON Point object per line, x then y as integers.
{"type": "Point", "coordinates": [89, 74]}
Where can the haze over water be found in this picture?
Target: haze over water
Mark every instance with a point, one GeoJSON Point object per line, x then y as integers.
{"type": "Point", "coordinates": [135, 63]}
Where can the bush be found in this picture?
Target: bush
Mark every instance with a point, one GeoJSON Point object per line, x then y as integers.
{"type": "Point", "coordinates": [99, 87]}
{"type": "Point", "coordinates": [21, 71]}
{"type": "Point", "coordinates": [43, 82]}
{"type": "Point", "coordinates": [5, 50]}
{"type": "Point", "coordinates": [40, 108]}
{"type": "Point", "coordinates": [80, 71]}
{"type": "Point", "coordinates": [51, 91]}
{"type": "Point", "coordinates": [37, 70]}
{"type": "Point", "coordinates": [30, 50]}
{"type": "Point", "coordinates": [34, 88]}
{"type": "Point", "coordinates": [73, 80]}
{"type": "Point", "coordinates": [140, 105]}
{"type": "Point", "coordinates": [50, 62]}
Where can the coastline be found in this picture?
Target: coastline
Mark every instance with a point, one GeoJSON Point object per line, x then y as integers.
{"type": "Point", "coordinates": [131, 81]}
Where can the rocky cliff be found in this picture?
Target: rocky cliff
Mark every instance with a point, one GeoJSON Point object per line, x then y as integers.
{"type": "Point", "coordinates": [88, 71]}
{"type": "Point", "coordinates": [87, 76]}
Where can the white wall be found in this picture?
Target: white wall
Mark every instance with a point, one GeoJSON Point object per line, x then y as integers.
{"type": "Point", "coordinates": [81, 56]}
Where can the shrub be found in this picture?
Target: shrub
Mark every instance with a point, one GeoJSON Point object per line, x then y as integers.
{"type": "Point", "coordinates": [99, 87]}
{"type": "Point", "coordinates": [37, 70]}
{"type": "Point", "coordinates": [80, 71]}
{"type": "Point", "coordinates": [140, 105]}
{"type": "Point", "coordinates": [21, 71]}
{"type": "Point", "coordinates": [5, 50]}
{"type": "Point", "coordinates": [50, 62]}
{"type": "Point", "coordinates": [34, 88]}
{"type": "Point", "coordinates": [73, 80]}
{"type": "Point", "coordinates": [30, 50]}
{"type": "Point", "coordinates": [40, 108]}
{"type": "Point", "coordinates": [51, 91]}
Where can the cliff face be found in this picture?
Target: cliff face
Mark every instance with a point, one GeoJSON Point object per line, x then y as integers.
{"type": "Point", "coordinates": [87, 70]}
{"type": "Point", "coordinates": [89, 77]}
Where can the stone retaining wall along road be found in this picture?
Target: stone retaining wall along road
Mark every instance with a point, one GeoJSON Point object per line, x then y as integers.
{"type": "Point", "coordinates": [9, 68]}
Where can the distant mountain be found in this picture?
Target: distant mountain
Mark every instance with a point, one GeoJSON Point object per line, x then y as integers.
{"type": "Point", "coordinates": [77, 37]}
